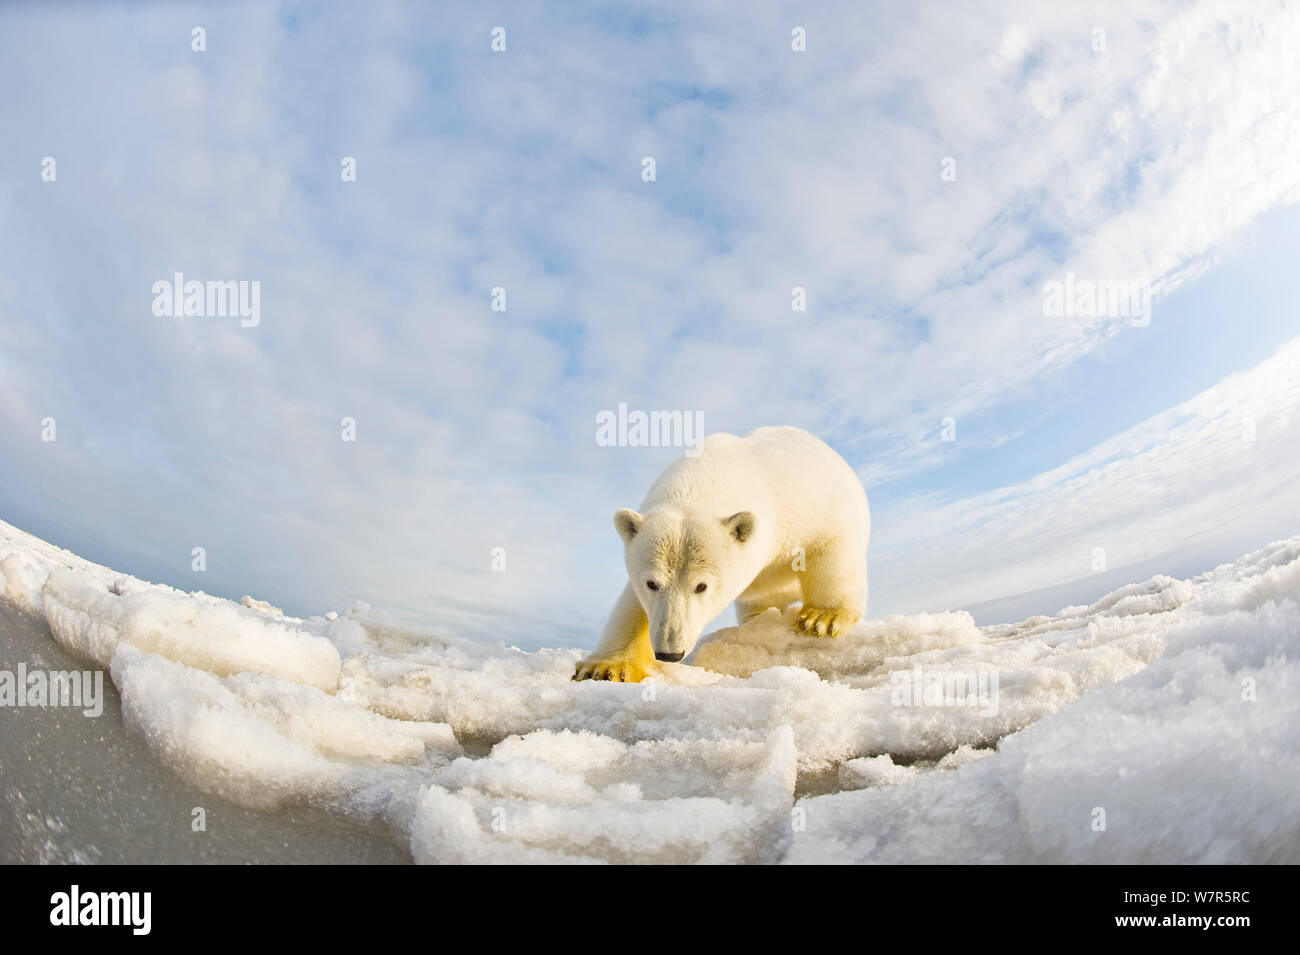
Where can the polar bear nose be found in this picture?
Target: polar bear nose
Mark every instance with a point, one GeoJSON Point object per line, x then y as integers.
{"type": "Point", "coordinates": [668, 657]}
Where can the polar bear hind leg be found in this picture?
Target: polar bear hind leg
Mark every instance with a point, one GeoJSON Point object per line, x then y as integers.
{"type": "Point", "coordinates": [750, 606]}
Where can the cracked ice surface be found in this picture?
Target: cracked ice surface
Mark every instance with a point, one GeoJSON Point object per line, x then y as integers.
{"type": "Point", "coordinates": [1172, 706]}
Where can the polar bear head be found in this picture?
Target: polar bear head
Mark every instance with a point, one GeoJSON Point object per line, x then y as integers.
{"type": "Point", "coordinates": [685, 569]}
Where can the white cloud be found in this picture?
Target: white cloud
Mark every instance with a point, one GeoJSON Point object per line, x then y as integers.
{"type": "Point", "coordinates": [776, 169]}
{"type": "Point", "coordinates": [1218, 469]}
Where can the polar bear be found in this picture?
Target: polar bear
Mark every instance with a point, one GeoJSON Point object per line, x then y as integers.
{"type": "Point", "coordinates": [765, 520]}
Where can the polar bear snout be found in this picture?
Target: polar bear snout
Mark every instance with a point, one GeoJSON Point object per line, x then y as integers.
{"type": "Point", "coordinates": [671, 641]}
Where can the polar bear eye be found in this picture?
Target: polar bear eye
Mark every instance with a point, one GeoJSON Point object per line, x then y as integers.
{"type": "Point", "coordinates": [700, 588]}
{"type": "Point", "coordinates": [652, 585]}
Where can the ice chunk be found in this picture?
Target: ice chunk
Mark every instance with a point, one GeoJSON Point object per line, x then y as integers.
{"type": "Point", "coordinates": [261, 741]}
{"type": "Point", "coordinates": [21, 579]}
{"type": "Point", "coordinates": [770, 639]}
{"type": "Point", "coordinates": [88, 619]}
{"type": "Point", "coordinates": [583, 797]}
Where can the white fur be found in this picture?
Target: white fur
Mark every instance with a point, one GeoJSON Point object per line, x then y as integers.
{"type": "Point", "coordinates": [765, 520]}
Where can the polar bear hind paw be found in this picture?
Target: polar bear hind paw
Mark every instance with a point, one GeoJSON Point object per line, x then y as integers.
{"type": "Point", "coordinates": [818, 622]}
{"type": "Point", "coordinates": [615, 670]}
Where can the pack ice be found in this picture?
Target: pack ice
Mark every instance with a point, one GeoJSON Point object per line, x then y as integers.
{"type": "Point", "coordinates": [1159, 724]}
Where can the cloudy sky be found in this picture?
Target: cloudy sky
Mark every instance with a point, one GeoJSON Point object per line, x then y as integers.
{"type": "Point", "coordinates": [921, 172]}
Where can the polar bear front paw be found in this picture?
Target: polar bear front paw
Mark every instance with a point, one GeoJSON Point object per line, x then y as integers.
{"type": "Point", "coordinates": [817, 622]}
{"type": "Point", "coordinates": [616, 670]}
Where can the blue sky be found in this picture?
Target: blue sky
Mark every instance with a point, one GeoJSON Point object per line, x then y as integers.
{"type": "Point", "coordinates": [1235, 316]}
{"type": "Point", "coordinates": [1170, 156]}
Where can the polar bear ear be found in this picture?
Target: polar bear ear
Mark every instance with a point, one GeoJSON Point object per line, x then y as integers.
{"type": "Point", "coordinates": [627, 522]}
{"type": "Point", "coordinates": [740, 525]}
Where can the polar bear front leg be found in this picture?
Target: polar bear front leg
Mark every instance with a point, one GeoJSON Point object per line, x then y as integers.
{"type": "Point", "coordinates": [624, 654]}
{"type": "Point", "coordinates": [834, 591]}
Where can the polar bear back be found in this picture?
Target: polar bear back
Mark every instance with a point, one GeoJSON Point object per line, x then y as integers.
{"type": "Point", "coordinates": [793, 481]}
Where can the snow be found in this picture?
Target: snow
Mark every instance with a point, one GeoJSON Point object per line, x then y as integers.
{"type": "Point", "coordinates": [201, 631]}
{"type": "Point", "coordinates": [1169, 709]}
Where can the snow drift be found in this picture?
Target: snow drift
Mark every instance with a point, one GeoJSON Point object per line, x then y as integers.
{"type": "Point", "coordinates": [1160, 724]}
